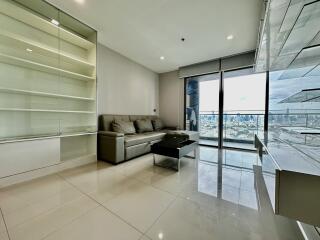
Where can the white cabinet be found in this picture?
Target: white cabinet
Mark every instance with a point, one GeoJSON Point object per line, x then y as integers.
{"type": "Point", "coordinates": [20, 157]}
{"type": "Point", "coordinates": [292, 179]}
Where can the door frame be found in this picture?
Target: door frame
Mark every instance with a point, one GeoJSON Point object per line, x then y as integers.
{"type": "Point", "coordinates": [221, 104]}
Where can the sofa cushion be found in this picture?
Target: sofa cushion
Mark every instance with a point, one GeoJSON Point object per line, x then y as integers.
{"type": "Point", "coordinates": [105, 122]}
{"type": "Point", "coordinates": [140, 117]}
{"type": "Point", "coordinates": [143, 125]}
{"type": "Point", "coordinates": [131, 140]}
{"type": "Point", "coordinates": [125, 118]}
{"type": "Point", "coordinates": [123, 127]}
{"type": "Point", "coordinates": [157, 124]}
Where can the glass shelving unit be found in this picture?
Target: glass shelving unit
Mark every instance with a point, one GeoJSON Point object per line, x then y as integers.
{"type": "Point", "coordinates": [289, 48]}
{"type": "Point", "coordinates": [290, 39]}
{"type": "Point", "coordinates": [305, 95]}
{"type": "Point", "coordinates": [47, 77]}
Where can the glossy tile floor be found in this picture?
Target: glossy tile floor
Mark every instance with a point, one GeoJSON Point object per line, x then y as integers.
{"type": "Point", "coordinates": [247, 146]}
{"type": "Point", "coordinates": [207, 199]}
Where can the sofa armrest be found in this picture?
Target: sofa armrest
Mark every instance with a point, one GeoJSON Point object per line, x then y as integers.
{"type": "Point", "coordinates": [111, 134]}
{"type": "Point", "coordinates": [111, 146]}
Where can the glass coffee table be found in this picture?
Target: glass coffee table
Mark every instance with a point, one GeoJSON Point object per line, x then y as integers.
{"type": "Point", "coordinates": [175, 148]}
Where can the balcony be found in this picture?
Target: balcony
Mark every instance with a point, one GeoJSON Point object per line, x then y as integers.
{"type": "Point", "coordinates": [238, 129]}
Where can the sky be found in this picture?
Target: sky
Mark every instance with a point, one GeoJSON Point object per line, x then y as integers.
{"type": "Point", "coordinates": [241, 94]}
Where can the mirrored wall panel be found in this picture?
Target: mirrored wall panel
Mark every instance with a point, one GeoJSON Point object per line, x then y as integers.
{"type": "Point", "coordinates": [290, 50]}
{"type": "Point", "coordinates": [292, 34]}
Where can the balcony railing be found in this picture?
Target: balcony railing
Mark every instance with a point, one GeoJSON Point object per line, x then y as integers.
{"type": "Point", "coordinates": [236, 127]}
{"type": "Point", "coordinates": [307, 120]}
{"type": "Point", "coordinates": [242, 127]}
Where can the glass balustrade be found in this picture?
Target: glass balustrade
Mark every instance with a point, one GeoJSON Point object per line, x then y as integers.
{"type": "Point", "coordinates": [237, 127]}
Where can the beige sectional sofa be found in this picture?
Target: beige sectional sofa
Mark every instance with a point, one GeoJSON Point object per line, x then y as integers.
{"type": "Point", "coordinates": [116, 147]}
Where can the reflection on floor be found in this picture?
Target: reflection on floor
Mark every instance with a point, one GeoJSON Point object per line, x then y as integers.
{"type": "Point", "coordinates": [232, 158]}
{"type": "Point", "coordinates": [247, 146]}
{"type": "Point", "coordinates": [220, 196]}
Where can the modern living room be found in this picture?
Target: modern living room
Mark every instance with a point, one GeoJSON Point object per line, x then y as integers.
{"type": "Point", "coordinates": [156, 120]}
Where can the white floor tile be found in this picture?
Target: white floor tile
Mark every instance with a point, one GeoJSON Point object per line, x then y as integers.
{"type": "Point", "coordinates": [43, 205]}
{"type": "Point", "coordinates": [204, 200]}
{"type": "Point", "coordinates": [21, 195]}
{"type": "Point", "coordinates": [39, 227]}
{"type": "Point", "coordinates": [112, 188]}
{"type": "Point", "coordinates": [2, 224]}
{"type": "Point", "coordinates": [96, 224]}
{"type": "Point", "coordinates": [184, 220]}
{"type": "Point", "coordinates": [4, 236]}
{"type": "Point", "coordinates": [145, 238]}
{"type": "Point", "coordinates": [140, 205]}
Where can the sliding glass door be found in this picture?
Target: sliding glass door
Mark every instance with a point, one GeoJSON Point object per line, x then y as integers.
{"type": "Point", "coordinates": [202, 107]}
{"type": "Point", "coordinates": [242, 107]}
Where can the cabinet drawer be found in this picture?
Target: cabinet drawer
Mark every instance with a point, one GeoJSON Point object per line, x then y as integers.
{"type": "Point", "coordinates": [19, 157]}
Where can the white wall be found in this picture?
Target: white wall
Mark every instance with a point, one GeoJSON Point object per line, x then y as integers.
{"type": "Point", "coordinates": [124, 86]}
{"type": "Point", "coordinates": [171, 99]}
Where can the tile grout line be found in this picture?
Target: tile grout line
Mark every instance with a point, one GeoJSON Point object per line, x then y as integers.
{"type": "Point", "coordinates": [155, 187]}
{"type": "Point", "coordinates": [150, 185]}
{"type": "Point", "coordinates": [45, 211]}
{"type": "Point", "coordinates": [161, 214]}
{"type": "Point", "coordinates": [144, 236]}
{"type": "Point", "coordinates": [175, 197]}
{"type": "Point", "coordinates": [53, 208]}
{"type": "Point", "coordinates": [68, 223]}
{"type": "Point", "coordinates": [116, 215]}
{"type": "Point", "coordinates": [73, 220]}
{"type": "Point", "coordinates": [5, 224]}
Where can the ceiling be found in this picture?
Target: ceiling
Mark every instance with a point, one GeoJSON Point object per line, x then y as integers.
{"type": "Point", "coordinates": [144, 30]}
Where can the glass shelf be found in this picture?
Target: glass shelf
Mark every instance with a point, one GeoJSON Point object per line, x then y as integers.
{"type": "Point", "coordinates": [314, 72]}
{"type": "Point", "coordinates": [13, 10]}
{"type": "Point", "coordinates": [48, 125]}
{"type": "Point", "coordinates": [306, 95]}
{"type": "Point", "coordinates": [45, 94]}
{"type": "Point", "coordinates": [41, 67]}
{"type": "Point", "coordinates": [22, 42]}
{"type": "Point", "coordinates": [290, 29]}
{"type": "Point", "coordinates": [44, 110]}
{"type": "Point", "coordinates": [44, 136]}
{"type": "Point", "coordinates": [304, 30]}
{"type": "Point", "coordinates": [308, 57]}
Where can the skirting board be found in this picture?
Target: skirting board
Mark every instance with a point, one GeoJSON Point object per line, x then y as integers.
{"type": "Point", "coordinates": [4, 182]}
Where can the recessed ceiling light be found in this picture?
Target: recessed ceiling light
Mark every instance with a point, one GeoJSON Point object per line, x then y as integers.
{"type": "Point", "coordinates": [29, 50]}
{"type": "Point", "coordinates": [160, 235]}
{"type": "Point", "coordinates": [162, 58]}
{"type": "Point", "coordinates": [55, 22]}
{"type": "Point", "coordinates": [80, 1]}
{"type": "Point", "coordinates": [230, 37]}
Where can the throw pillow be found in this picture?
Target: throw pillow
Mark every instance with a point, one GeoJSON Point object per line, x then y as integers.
{"type": "Point", "coordinates": [157, 124]}
{"type": "Point", "coordinates": [123, 127]}
{"type": "Point", "coordinates": [144, 125]}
